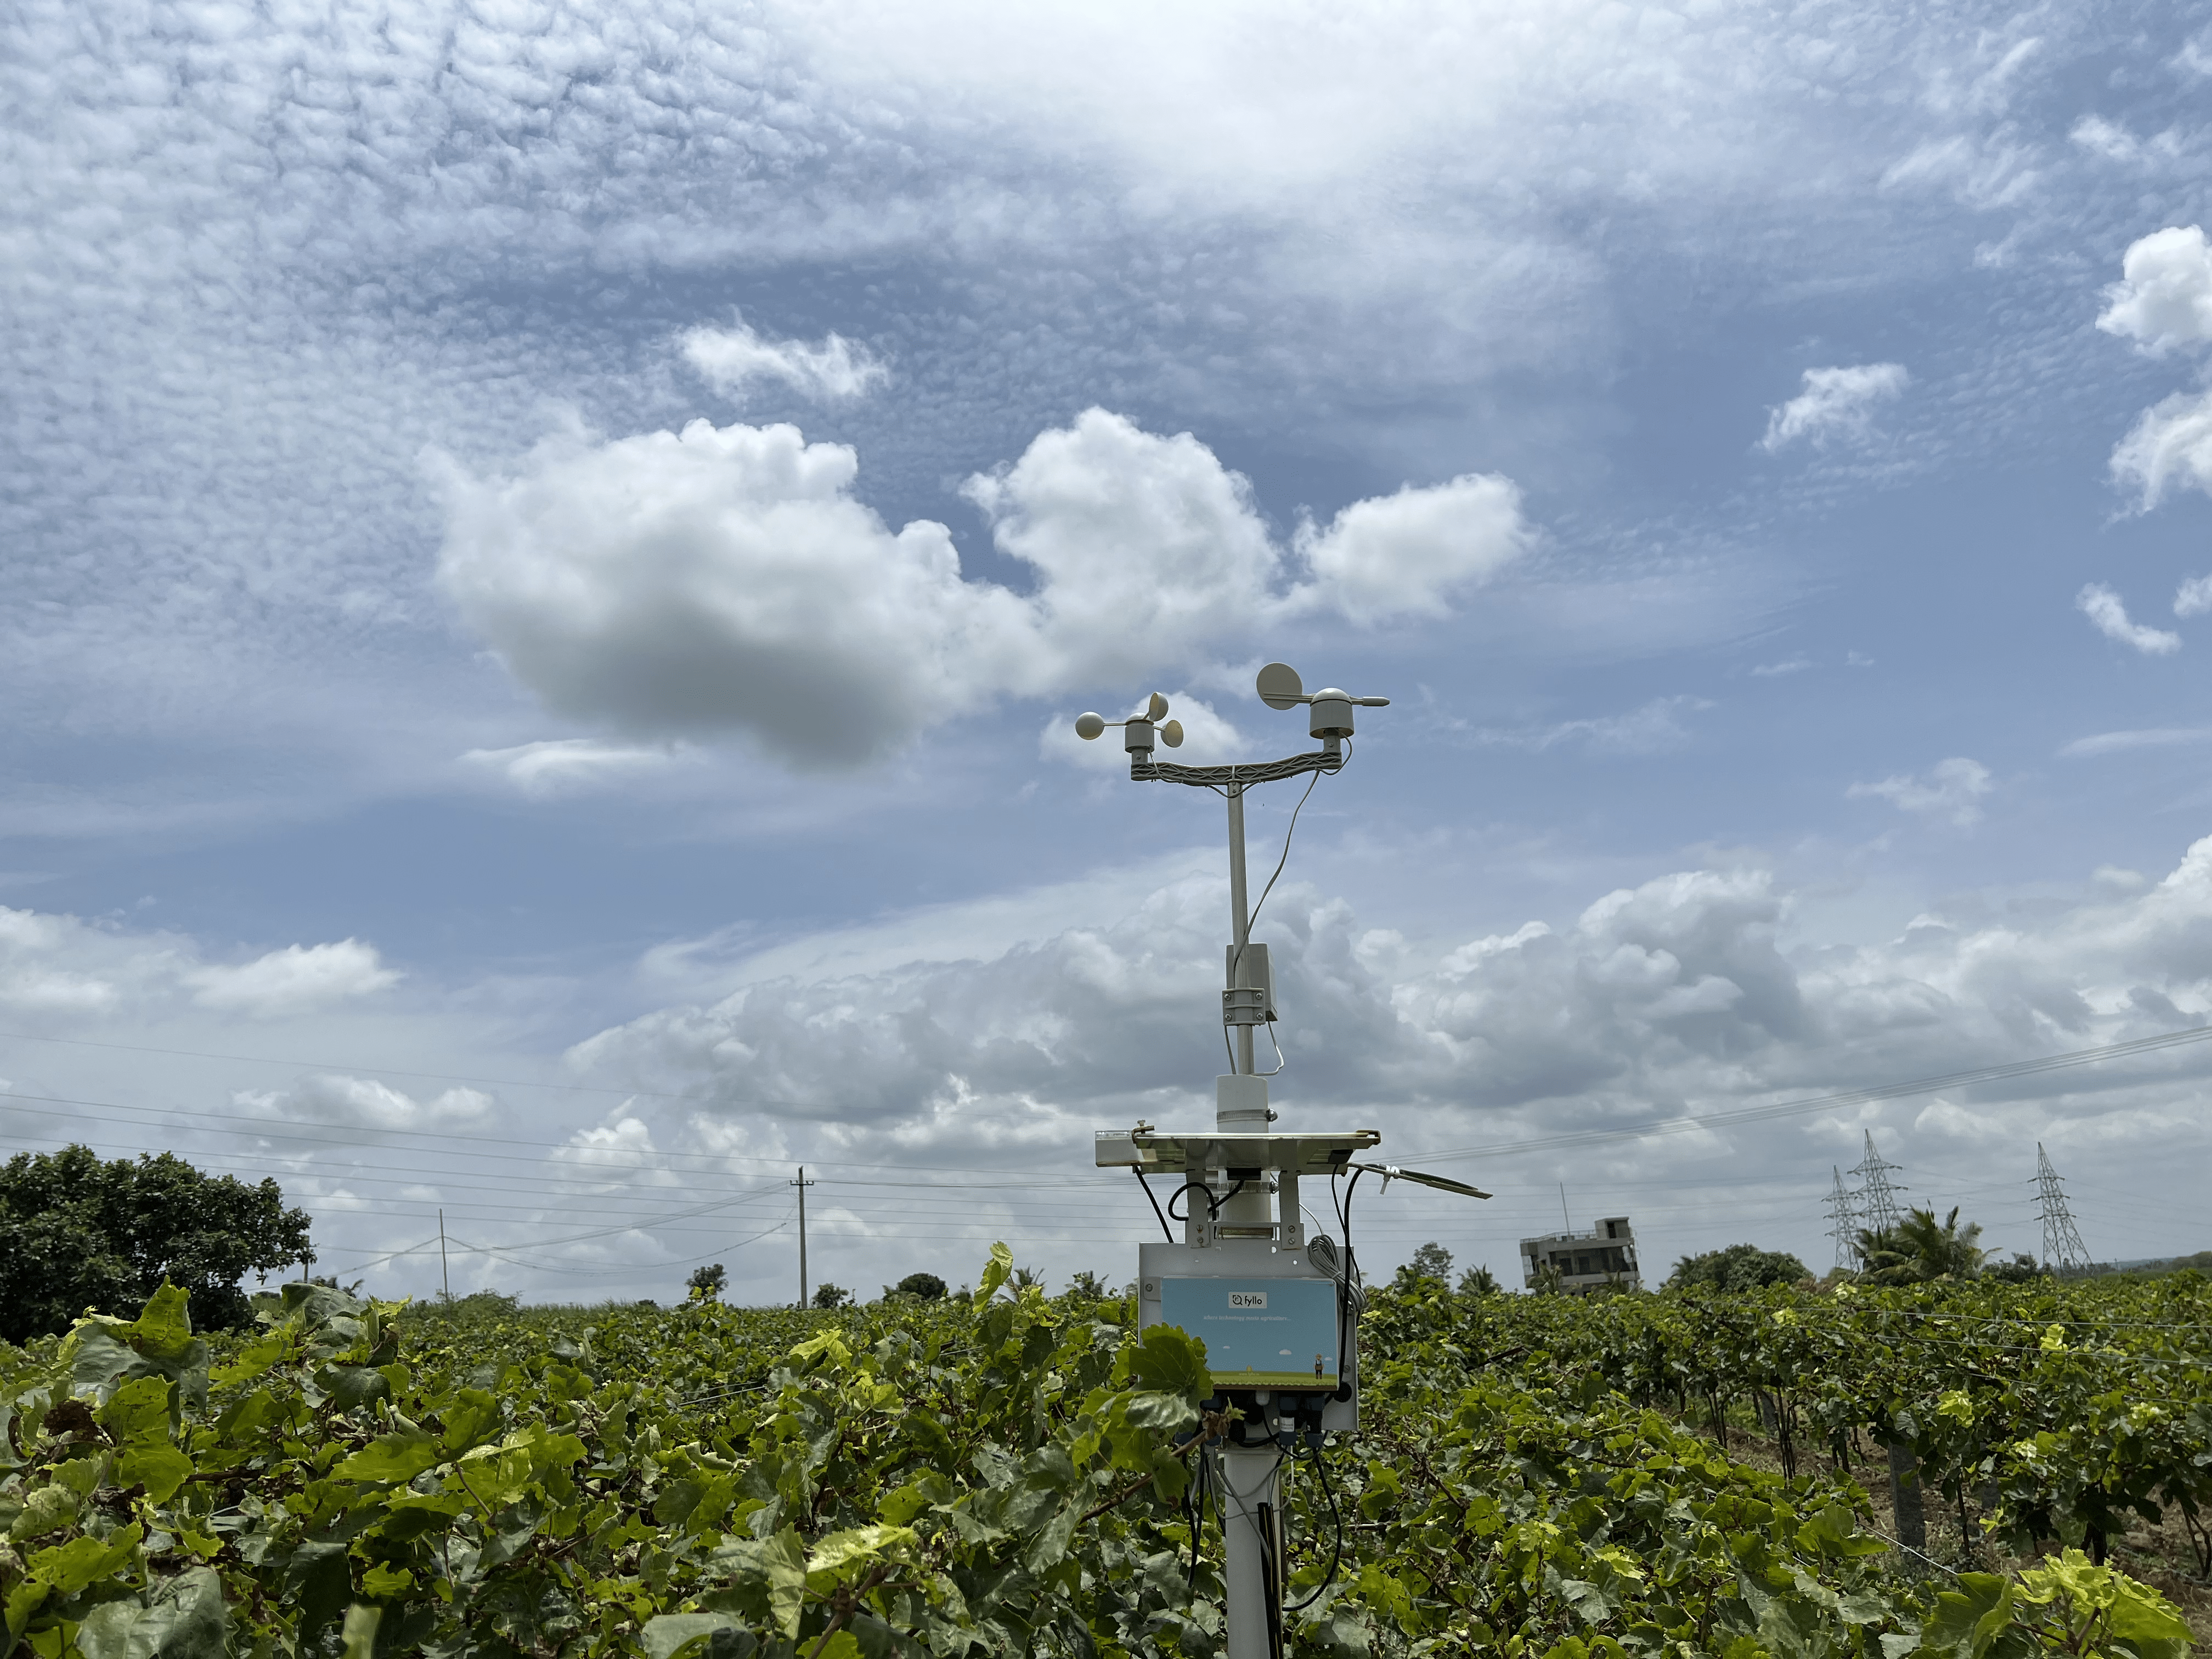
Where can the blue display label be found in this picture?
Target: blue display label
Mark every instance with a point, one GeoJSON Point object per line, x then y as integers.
{"type": "Point", "coordinates": [1259, 1333]}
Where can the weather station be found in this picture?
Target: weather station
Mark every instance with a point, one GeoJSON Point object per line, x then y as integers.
{"type": "Point", "coordinates": [1277, 1307]}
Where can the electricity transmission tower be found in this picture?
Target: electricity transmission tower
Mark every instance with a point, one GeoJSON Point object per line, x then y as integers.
{"type": "Point", "coordinates": [1877, 1199]}
{"type": "Point", "coordinates": [1843, 1207]}
{"type": "Point", "coordinates": [2062, 1244]}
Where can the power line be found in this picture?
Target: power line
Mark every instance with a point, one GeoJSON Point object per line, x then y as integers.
{"type": "Point", "coordinates": [371, 1070]}
{"type": "Point", "coordinates": [262, 1128]}
{"type": "Point", "coordinates": [1689, 1125]}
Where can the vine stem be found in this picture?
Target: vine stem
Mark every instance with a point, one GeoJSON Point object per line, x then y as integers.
{"type": "Point", "coordinates": [1144, 1480]}
{"type": "Point", "coordinates": [848, 1601]}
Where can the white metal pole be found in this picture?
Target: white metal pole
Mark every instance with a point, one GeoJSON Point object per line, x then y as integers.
{"type": "Point", "coordinates": [1251, 1510]}
{"type": "Point", "coordinates": [1240, 924]}
{"type": "Point", "coordinates": [445, 1273]}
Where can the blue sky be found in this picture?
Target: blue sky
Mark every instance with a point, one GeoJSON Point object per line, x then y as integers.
{"type": "Point", "coordinates": [551, 551]}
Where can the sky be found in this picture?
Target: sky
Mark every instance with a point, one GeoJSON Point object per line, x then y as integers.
{"type": "Point", "coordinates": [551, 553]}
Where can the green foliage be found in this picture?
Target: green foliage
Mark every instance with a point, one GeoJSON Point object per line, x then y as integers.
{"type": "Point", "coordinates": [706, 1284]}
{"type": "Point", "coordinates": [831, 1296]}
{"type": "Point", "coordinates": [1432, 1261]}
{"type": "Point", "coordinates": [1738, 1267]}
{"type": "Point", "coordinates": [1920, 1249]}
{"type": "Point", "coordinates": [923, 1287]}
{"type": "Point", "coordinates": [77, 1232]}
{"type": "Point", "coordinates": [355, 1477]}
{"type": "Point", "coordinates": [1004, 1474]}
{"type": "Point", "coordinates": [1478, 1281]}
{"type": "Point", "coordinates": [2087, 1608]}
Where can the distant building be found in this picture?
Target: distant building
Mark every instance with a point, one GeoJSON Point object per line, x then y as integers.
{"type": "Point", "coordinates": [1603, 1259]}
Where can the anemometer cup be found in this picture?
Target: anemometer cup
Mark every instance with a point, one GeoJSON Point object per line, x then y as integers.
{"type": "Point", "coordinates": [1138, 731]}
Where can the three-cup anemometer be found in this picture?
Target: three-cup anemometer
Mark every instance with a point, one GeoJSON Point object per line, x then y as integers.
{"type": "Point", "coordinates": [1278, 1309]}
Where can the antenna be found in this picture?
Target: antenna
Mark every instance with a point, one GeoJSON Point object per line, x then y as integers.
{"type": "Point", "coordinates": [2062, 1250]}
{"type": "Point", "coordinates": [1391, 1172]}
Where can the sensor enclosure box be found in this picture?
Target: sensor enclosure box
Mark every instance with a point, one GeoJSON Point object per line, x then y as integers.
{"type": "Point", "coordinates": [1250, 997]}
{"type": "Point", "coordinates": [1273, 1323]}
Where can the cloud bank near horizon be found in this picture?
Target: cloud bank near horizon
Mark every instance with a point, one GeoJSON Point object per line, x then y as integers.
{"type": "Point", "coordinates": [1691, 992]}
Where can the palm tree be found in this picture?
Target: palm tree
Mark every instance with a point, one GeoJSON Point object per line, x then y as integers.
{"type": "Point", "coordinates": [1921, 1249]}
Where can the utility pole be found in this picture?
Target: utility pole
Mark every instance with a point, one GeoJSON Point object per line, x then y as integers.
{"type": "Point", "coordinates": [2063, 1249]}
{"type": "Point", "coordinates": [445, 1273]}
{"type": "Point", "coordinates": [802, 1184]}
{"type": "Point", "coordinates": [1566, 1220]}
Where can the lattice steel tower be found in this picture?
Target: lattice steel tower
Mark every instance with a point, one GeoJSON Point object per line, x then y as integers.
{"type": "Point", "coordinates": [1843, 1207]}
{"type": "Point", "coordinates": [1877, 1199]}
{"type": "Point", "coordinates": [2062, 1244]}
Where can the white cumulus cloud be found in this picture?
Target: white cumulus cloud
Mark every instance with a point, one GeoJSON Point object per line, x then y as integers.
{"type": "Point", "coordinates": [731, 359]}
{"type": "Point", "coordinates": [2170, 444]}
{"type": "Point", "coordinates": [296, 978]}
{"type": "Point", "coordinates": [1835, 403]}
{"type": "Point", "coordinates": [2164, 298]}
{"type": "Point", "coordinates": [2109, 616]}
{"type": "Point", "coordinates": [1408, 554]}
{"type": "Point", "coordinates": [1681, 988]}
{"type": "Point", "coordinates": [1952, 791]}
{"type": "Point", "coordinates": [2194, 596]}
{"type": "Point", "coordinates": [726, 579]}
{"type": "Point", "coordinates": [366, 1103]}
{"type": "Point", "coordinates": [44, 968]}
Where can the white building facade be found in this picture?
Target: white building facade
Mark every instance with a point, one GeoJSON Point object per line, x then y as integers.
{"type": "Point", "coordinates": [1603, 1259]}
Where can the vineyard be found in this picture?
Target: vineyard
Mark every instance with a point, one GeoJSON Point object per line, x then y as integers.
{"type": "Point", "coordinates": [1018, 1474]}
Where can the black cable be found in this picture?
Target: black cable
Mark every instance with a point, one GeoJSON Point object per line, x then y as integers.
{"type": "Point", "coordinates": [1351, 1260]}
{"type": "Point", "coordinates": [1147, 1185]}
{"type": "Point", "coordinates": [1271, 1578]}
{"type": "Point", "coordinates": [1195, 1508]}
{"type": "Point", "coordinates": [1336, 1554]}
{"type": "Point", "coordinates": [1213, 1204]}
{"type": "Point", "coordinates": [1344, 1213]}
{"type": "Point", "coordinates": [1346, 1327]}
